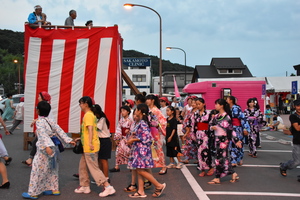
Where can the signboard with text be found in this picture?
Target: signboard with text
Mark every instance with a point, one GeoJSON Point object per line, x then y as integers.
{"type": "Point", "coordinates": [137, 62]}
{"type": "Point", "coordinates": [294, 87]}
{"type": "Point", "coordinates": [263, 90]}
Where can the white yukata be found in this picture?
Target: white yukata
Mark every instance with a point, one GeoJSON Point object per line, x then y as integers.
{"type": "Point", "coordinates": [44, 175]}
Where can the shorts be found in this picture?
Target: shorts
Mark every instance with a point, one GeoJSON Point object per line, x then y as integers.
{"type": "Point", "coordinates": [105, 148]}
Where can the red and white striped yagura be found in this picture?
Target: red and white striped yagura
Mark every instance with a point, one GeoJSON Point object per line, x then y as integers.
{"type": "Point", "coordinates": [70, 64]}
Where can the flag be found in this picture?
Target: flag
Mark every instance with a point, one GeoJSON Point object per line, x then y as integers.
{"type": "Point", "coordinates": [176, 88]}
{"type": "Point", "coordinates": [69, 64]}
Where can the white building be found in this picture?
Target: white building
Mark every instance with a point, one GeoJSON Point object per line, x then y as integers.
{"type": "Point", "coordinates": [139, 71]}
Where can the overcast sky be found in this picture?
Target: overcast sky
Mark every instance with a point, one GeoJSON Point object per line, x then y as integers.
{"type": "Point", "coordinates": [265, 34]}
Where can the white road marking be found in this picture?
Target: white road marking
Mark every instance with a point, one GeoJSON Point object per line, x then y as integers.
{"type": "Point", "coordinates": [253, 193]}
{"type": "Point", "coordinates": [194, 184]}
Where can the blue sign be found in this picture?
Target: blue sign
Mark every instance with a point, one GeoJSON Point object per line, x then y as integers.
{"type": "Point", "coordinates": [294, 87]}
{"type": "Point", "coordinates": [137, 62]}
{"type": "Point", "coordinates": [263, 89]}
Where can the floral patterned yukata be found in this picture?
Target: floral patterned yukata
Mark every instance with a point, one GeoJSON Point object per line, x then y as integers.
{"type": "Point", "coordinates": [222, 157]}
{"type": "Point", "coordinates": [140, 153]}
{"type": "Point", "coordinates": [203, 136]}
{"type": "Point", "coordinates": [158, 125]}
{"type": "Point", "coordinates": [122, 151]}
{"type": "Point", "coordinates": [44, 175]}
{"type": "Point", "coordinates": [190, 149]}
{"type": "Point", "coordinates": [240, 123]}
{"type": "Point", "coordinates": [255, 119]}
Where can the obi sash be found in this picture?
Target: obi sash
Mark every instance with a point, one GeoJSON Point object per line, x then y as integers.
{"type": "Point", "coordinates": [202, 126]}
{"type": "Point", "coordinates": [124, 131]}
{"type": "Point", "coordinates": [236, 122]}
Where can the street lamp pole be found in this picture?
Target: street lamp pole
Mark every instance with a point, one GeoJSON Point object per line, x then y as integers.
{"type": "Point", "coordinates": [129, 5]}
{"type": "Point", "coordinates": [17, 62]}
{"type": "Point", "coordinates": [170, 48]}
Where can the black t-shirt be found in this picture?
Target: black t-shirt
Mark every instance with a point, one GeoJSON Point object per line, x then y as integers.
{"type": "Point", "coordinates": [171, 125]}
{"type": "Point", "coordinates": [296, 134]}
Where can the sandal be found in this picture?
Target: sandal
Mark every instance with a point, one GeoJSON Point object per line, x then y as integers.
{"type": "Point", "coordinates": [131, 188]}
{"type": "Point", "coordinates": [25, 163]}
{"type": "Point", "coordinates": [240, 163]}
{"type": "Point", "coordinates": [162, 172]}
{"type": "Point", "coordinates": [7, 162]}
{"type": "Point", "coordinates": [158, 192]}
{"type": "Point", "coordinates": [210, 172]}
{"type": "Point", "coordinates": [137, 195]}
{"type": "Point", "coordinates": [185, 162]}
{"type": "Point", "coordinates": [282, 171]}
{"type": "Point", "coordinates": [202, 174]}
{"type": "Point", "coordinates": [235, 178]}
{"type": "Point", "coordinates": [215, 181]}
{"type": "Point", "coordinates": [147, 185]}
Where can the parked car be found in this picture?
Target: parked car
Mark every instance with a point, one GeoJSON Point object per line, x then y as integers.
{"type": "Point", "coordinates": [2, 106]}
{"type": "Point", "coordinates": [16, 99]}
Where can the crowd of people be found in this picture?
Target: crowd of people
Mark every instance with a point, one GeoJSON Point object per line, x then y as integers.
{"type": "Point", "coordinates": [39, 18]}
{"type": "Point", "coordinates": [213, 140]}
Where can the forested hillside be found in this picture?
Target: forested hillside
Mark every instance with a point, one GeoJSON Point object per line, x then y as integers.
{"type": "Point", "coordinates": [12, 48]}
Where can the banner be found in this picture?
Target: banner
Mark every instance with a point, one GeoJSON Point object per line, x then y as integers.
{"type": "Point", "coordinates": [69, 64]}
{"type": "Point", "coordinates": [176, 88]}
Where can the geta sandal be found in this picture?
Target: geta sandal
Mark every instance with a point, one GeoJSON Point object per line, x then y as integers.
{"type": "Point", "coordinates": [210, 172]}
{"type": "Point", "coordinates": [235, 178]}
{"type": "Point", "coordinates": [202, 174]}
{"type": "Point", "coordinates": [214, 182]}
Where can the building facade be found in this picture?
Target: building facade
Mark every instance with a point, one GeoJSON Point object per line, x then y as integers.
{"type": "Point", "coordinates": [139, 71]}
{"type": "Point", "coordinates": [168, 80]}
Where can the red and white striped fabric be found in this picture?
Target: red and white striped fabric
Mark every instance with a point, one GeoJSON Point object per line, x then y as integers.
{"type": "Point", "coordinates": [69, 64]}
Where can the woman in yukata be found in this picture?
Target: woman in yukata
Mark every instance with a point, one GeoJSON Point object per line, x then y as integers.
{"type": "Point", "coordinates": [44, 172]}
{"type": "Point", "coordinates": [158, 130]}
{"type": "Point", "coordinates": [241, 128]}
{"type": "Point", "coordinates": [140, 158]}
{"type": "Point", "coordinates": [222, 126]}
{"type": "Point", "coordinates": [255, 119]}
{"type": "Point", "coordinates": [203, 136]}
{"type": "Point", "coordinates": [190, 142]}
{"type": "Point", "coordinates": [120, 137]}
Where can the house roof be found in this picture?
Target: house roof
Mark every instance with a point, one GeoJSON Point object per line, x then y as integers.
{"type": "Point", "coordinates": [211, 71]}
{"type": "Point", "coordinates": [228, 63]}
{"type": "Point", "coordinates": [207, 71]}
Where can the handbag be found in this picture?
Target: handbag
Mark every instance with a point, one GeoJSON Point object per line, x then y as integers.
{"type": "Point", "coordinates": [78, 148]}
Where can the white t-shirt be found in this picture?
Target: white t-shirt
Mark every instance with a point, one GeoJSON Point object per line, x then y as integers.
{"type": "Point", "coordinates": [103, 131]}
{"type": "Point", "coordinates": [164, 111]}
{"type": "Point", "coordinates": [19, 111]}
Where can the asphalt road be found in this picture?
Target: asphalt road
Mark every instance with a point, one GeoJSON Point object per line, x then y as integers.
{"type": "Point", "coordinates": [259, 177]}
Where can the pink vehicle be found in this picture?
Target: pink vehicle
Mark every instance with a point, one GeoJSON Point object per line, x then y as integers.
{"type": "Point", "coordinates": [213, 90]}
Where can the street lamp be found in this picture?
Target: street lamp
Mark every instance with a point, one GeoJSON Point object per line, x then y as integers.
{"type": "Point", "coordinates": [170, 48]}
{"type": "Point", "coordinates": [130, 5]}
{"type": "Point", "coordinates": [17, 62]}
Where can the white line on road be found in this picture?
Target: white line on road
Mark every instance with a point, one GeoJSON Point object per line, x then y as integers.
{"type": "Point", "coordinates": [194, 184]}
{"type": "Point", "coordinates": [253, 193]}
{"type": "Point", "coordinates": [276, 151]}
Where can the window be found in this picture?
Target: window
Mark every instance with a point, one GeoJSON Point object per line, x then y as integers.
{"type": "Point", "coordinates": [139, 78]}
{"type": "Point", "coordinates": [230, 71]}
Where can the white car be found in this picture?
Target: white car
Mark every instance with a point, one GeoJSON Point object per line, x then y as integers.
{"type": "Point", "coordinates": [16, 99]}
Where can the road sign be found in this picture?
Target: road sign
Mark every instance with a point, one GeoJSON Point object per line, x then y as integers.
{"type": "Point", "coordinates": [294, 87]}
